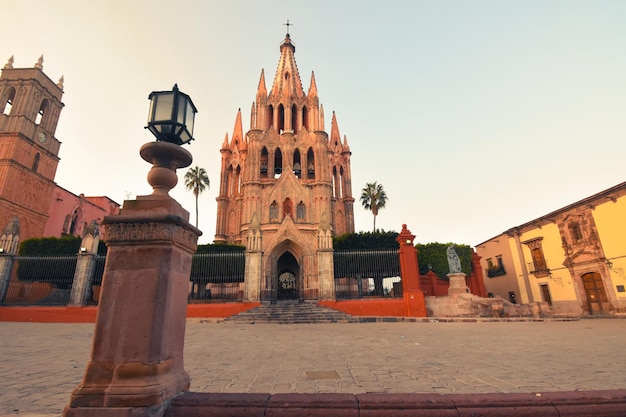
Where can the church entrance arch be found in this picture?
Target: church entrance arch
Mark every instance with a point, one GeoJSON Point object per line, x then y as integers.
{"type": "Point", "coordinates": [288, 277]}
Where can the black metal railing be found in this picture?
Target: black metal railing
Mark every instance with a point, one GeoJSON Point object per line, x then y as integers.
{"type": "Point", "coordinates": [367, 273]}
{"type": "Point", "coordinates": [217, 277]}
{"type": "Point", "coordinates": [41, 280]}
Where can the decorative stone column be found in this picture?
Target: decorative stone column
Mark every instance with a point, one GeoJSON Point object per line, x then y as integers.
{"type": "Point", "coordinates": [7, 261]}
{"type": "Point", "coordinates": [457, 284]}
{"type": "Point", "coordinates": [83, 277]}
{"type": "Point", "coordinates": [254, 256]}
{"type": "Point", "coordinates": [412, 293]}
{"type": "Point", "coordinates": [325, 261]}
{"type": "Point", "coordinates": [136, 363]}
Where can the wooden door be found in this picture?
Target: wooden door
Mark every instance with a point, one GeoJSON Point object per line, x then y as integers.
{"type": "Point", "coordinates": [596, 296]}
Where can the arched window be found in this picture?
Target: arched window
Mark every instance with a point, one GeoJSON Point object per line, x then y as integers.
{"type": "Point", "coordinates": [281, 118]}
{"type": "Point", "coordinates": [310, 164]}
{"type": "Point", "coordinates": [36, 161]}
{"type": "Point", "coordinates": [238, 180]}
{"type": "Point", "coordinates": [297, 167]}
{"type": "Point", "coordinates": [229, 181]}
{"type": "Point", "coordinates": [264, 158]}
{"type": "Point", "coordinates": [274, 212]}
{"type": "Point", "coordinates": [278, 163]}
{"type": "Point", "coordinates": [270, 117]}
{"type": "Point", "coordinates": [8, 101]}
{"type": "Point", "coordinates": [287, 208]}
{"type": "Point", "coordinates": [42, 110]}
{"type": "Point", "coordinates": [335, 182]}
{"type": "Point", "coordinates": [305, 118]}
{"type": "Point", "coordinates": [341, 182]}
{"type": "Point", "coordinates": [294, 118]}
{"type": "Point", "coordinates": [301, 211]}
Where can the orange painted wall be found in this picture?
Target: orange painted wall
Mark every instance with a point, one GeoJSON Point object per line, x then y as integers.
{"type": "Point", "coordinates": [88, 314]}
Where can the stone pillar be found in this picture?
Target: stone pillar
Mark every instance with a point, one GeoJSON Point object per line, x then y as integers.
{"type": "Point", "coordinates": [136, 364]}
{"type": "Point", "coordinates": [253, 276]}
{"type": "Point", "coordinates": [326, 274]}
{"type": "Point", "coordinates": [412, 292]}
{"type": "Point", "coordinates": [83, 277]}
{"type": "Point", "coordinates": [6, 269]}
{"type": "Point", "coordinates": [254, 257]}
{"type": "Point", "coordinates": [457, 284]}
{"type": "Point", "coordinates": [325, 261]}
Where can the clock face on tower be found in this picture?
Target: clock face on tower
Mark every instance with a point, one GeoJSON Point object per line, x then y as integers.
{"type": "Point", "coordinates": [42, 137]}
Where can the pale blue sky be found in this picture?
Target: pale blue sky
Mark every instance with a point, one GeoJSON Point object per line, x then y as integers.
{"type": "Point", "coordinates": [476, 116]}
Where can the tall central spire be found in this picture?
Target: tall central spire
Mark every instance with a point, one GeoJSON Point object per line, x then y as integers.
{"type": "Point", "coordinates": [287, 79]}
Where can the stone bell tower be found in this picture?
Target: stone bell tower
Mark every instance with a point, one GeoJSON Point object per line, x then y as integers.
{"type": "Point", "coordinates": [285, 189]}
{"type": "Point", "coordinates": [30, 105]}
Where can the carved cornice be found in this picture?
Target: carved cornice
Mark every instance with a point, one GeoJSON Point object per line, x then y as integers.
{"type": "Point", "coordinates": [150, 229]}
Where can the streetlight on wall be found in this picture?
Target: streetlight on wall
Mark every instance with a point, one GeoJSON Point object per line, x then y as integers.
{"type": "Point", "coordinates": [171, 120]}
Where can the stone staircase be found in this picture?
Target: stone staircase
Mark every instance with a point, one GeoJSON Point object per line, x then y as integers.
{"type": "Point", "coordinates": [291, 312]}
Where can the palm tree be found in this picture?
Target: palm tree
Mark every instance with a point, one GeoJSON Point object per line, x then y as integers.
{"type": "Point", "coordinates": [373, 197]}
{"type": "Point", "coordinates": [197, 180]}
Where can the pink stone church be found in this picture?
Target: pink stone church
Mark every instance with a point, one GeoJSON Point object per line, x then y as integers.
{"type": "Point", "coordinates": [285, 189]}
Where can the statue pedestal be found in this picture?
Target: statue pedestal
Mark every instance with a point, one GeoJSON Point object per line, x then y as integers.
{"type": "Point", "coordinates": [457, 284]}
{"type": "Point", "coordinates": [136, 363]}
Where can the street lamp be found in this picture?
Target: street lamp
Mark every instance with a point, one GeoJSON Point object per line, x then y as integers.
{"type": "Point", "coordinates": [170, 120]}
{"type": "Point", "coordinates": [171, 116]}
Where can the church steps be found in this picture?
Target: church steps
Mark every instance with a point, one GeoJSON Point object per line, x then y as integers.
{"type": "Point", "coordinates": [291, 313]}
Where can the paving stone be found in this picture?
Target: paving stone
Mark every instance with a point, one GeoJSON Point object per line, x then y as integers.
{"type": "Point", "coordinates": [42, 363]}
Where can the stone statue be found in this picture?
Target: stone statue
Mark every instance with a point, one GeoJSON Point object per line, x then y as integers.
{"type": "Point", "coordinates": [453, 260]}
{"type": "Point", "coordinates": [9, 64]}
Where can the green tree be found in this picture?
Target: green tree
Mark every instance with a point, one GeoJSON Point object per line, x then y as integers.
{"type": "Point", "coordinates": [197, 180]}
{"type": "Point", "coordinates": [374, 198]}
{"type": "Point", "coordinates": [433, 256]}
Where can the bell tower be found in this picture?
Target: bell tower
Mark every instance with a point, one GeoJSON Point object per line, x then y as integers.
{"type": "Point", "coordinates": [30, 105]}
{"type": "Point", "coordinates": [285, 185]}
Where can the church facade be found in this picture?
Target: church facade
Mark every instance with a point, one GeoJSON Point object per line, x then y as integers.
{"type": "Point", "coordinates": [285, 189]}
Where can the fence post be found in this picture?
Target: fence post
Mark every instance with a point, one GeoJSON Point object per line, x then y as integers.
{"type": "Point", "coordinates": [6, 268]}
{"type": "Point", "coordinates": [83, 277]}
{"type": "Point", "coordinates": [413, 294]}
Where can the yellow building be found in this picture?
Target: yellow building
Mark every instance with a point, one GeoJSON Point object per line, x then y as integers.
{"type": "Point", "coordinates": [573, 258]}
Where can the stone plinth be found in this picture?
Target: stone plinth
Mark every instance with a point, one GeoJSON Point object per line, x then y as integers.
{"type": "Point", "coordinates": [136, 364]}
{"type": "Point", "coordinates": [457, 284]}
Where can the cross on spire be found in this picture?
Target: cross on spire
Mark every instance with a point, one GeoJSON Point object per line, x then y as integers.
{"type": "Point", "coordinates": [287, 24]}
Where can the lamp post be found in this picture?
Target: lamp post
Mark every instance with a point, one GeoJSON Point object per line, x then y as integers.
{"type": "Point", "coordinates": [171, 120]}
{"type": "Point", "coordinates": [136, 365]}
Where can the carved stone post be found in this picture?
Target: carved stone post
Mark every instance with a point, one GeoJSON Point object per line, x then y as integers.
{"type": "Point", "coordinates": [136, 363]}
{"type": "Point", "coordinates": [413, 294]}
{"type": "Point", "coordinates": [254, 256]}
{"type": "Point", "coordinates": [7, 261]}
{"type": "Point", "coordinates": [325, 265]}
{"type": "Point", "coordinates": [83, 277]}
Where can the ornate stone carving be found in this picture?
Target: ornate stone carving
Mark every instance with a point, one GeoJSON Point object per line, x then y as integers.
{"type": "Point", "coordinates": [150, 231]}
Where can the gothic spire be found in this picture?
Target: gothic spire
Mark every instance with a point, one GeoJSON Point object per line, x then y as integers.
{"type": "Point", "coordinates": [313, 87]}
{"type": "Point", "coordinates": [287, 79]}
{"type": "Point", "coordinates": [238, 130]}
{"type": "Point", "coordinates": [261, 89]}
{"type": "Point", "coordinates": [335, 137]}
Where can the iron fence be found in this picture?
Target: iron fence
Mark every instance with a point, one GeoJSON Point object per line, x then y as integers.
{"type": "Point", "coordinates": [367, 273]}
{"type": "Point", "coordinates": [217, 277]}
{"type": "Point", "coordinates": [41, 280]}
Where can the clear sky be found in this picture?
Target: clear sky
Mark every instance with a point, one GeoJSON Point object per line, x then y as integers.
{"type": "Point", "coordinates": [476, 116]}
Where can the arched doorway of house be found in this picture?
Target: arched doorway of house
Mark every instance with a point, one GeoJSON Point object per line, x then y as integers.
{"type": "Point", "coordinates": [596, 296]}
{"type": "Point", "coordinates": [288, 271]}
